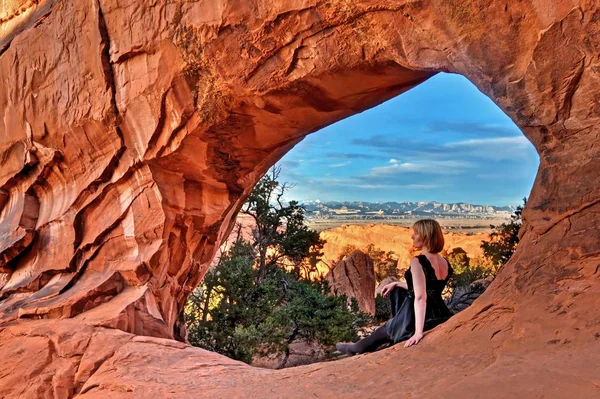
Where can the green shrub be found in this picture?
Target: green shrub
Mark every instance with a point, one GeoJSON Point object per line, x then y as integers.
{"type": "Point", "coordinates": [383, 309]}
{"type": "Point", "coordinates": [253, 303]}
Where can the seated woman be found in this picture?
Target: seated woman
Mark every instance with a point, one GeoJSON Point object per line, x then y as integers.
{"type": "Point", "coordinates": [417, 305]}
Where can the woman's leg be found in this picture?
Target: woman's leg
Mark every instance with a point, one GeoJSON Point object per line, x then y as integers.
{"type": "Point", "coordinates": [368, 344]}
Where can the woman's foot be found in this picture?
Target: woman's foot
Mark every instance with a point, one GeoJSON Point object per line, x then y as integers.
{"type": "Point", "coordinates": [346, 349]}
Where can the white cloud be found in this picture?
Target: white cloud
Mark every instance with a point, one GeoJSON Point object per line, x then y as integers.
{"type": "Point", "coordinates": [339, 165]}
{"type": "Point", "coordinates": [430, 167]}
{"type": "Point", "coordinates": [384, 170]}
{"type": "Point", "coordinates": [517, 140]}
{"type": "Point", "coordinates": [497, 148]}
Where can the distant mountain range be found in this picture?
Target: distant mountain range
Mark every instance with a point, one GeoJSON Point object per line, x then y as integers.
{"type": "Point", "coordinates": [403, 209]}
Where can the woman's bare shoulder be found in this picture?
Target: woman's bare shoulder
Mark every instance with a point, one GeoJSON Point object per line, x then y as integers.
{"type": "Point", "coordinates": [415, 264]}
{"type": "Point", "coordinates": [415, 261]}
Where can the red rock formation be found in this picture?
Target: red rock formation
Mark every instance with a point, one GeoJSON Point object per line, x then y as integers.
{"type": "Point", "coordinates": [66, 357]}
{"type": "Point", "coordinates": [388, 237]}
{"type": "Point", "coordinates": [300, 353]}
{"type": "Point", "coordinates": [131, 132]}
{"type": "Point", "coordinates": [355, 276]}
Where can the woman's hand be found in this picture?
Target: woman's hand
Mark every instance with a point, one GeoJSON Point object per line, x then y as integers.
{"type": "Point", "coordinates": [388, 288]}
{"type": "Point", "coordinates": [414, 340]}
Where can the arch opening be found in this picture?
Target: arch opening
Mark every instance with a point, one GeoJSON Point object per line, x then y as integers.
{"type": "Point", "coordinates": [440, 150]}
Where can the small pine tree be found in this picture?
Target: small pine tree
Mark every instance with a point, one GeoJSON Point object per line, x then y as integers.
{"type": "Point", "coordinates": [280, 232]}
{"type": "Point", "coordinates": [252, 302]}
{"type": "Point", "coordinates": [503, 240]}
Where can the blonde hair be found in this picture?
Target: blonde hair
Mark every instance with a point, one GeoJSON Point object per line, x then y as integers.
{"type": "Point", "coordinates": [430, 232]}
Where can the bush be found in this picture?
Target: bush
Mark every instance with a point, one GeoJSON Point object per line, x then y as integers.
{"type": "Point", "coordinates": [240, 319]}
{"type": "Point", "coordinates": [503, 240]}
{"type": "Point", "coordinates": [467, 270]}
{"type": "Point", "coordinates": [258, 299]}
{"type": "Point", "coordinates": [383, 309]}
{"type": "Point", "coordinates": [461, 291]}
{"type": "Point", "coordinates": [384, 263]}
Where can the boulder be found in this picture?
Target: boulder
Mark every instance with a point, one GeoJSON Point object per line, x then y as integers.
{"type": "Point", "coordinates": [354, 276]}
{"type": "Point", "coordinates": [301, 352]}
{"type": "Point", "coordinates": [463, 297]}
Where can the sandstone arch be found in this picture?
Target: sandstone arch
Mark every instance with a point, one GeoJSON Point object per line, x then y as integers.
{"type": "Point", "coordinates": [130, 134]}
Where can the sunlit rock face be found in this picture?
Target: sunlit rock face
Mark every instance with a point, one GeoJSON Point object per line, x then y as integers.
{"type": "Point", "coordinates": [17, 15]}
{"type": "Point", "coordinates": [131, 131]}
{"type": "Point", "coordinates": [389, 238]}
{"type": "Point", "coordinates": [354, 276]}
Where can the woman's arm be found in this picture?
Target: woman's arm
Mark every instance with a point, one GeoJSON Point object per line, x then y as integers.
{"type": "Point", "coordinates": [390, 286]}
{"type": "Point", "coordinates": [420, 301]}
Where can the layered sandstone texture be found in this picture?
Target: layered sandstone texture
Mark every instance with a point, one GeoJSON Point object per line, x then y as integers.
{"type": "Point", "coordinates": [354, 276]}
{"type": "Point", "coordinates": [131, 131]}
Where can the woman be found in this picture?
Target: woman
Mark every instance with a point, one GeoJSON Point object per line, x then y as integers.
{"type": "Point", "coordinates": [417, 304]}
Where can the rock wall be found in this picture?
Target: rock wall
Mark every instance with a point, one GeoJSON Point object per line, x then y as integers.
{"type": "Point", "coordinates": [355, 276]}
{"type": "Point", "coordinates": [131, 132]}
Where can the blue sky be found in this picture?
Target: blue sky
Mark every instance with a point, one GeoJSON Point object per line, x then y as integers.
{"type": "Point", "coordinates": [442, 141]}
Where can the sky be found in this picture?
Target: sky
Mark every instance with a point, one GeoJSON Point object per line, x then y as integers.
{"type": "Point", "coordinates": [441, 141]}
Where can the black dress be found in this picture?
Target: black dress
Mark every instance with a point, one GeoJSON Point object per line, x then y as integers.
{"type": "Point", "coordinates": [402, 324]}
